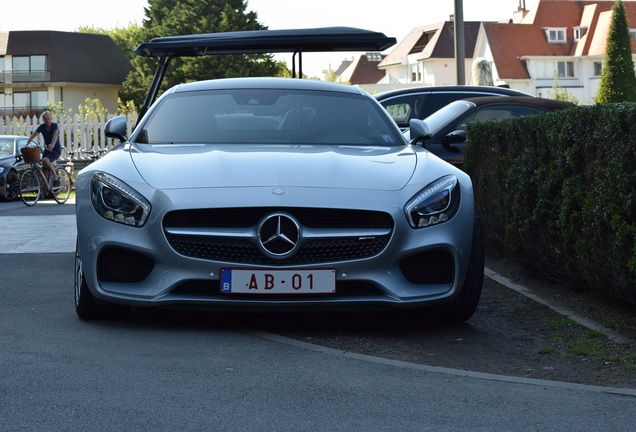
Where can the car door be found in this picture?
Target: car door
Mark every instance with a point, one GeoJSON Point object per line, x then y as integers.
{"type": "Point", "coordinates": [450, 142]}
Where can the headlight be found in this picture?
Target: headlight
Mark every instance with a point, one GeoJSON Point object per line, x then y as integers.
{"type": "Point", "coordinates": [1, 170]}
{"type": "Point", "coordinates": [114, 200]}
{"type": "Point", "coordinates": [435, 204]}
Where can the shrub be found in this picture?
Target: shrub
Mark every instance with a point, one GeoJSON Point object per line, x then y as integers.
{"type": "Point", "coordinates": [558, 192]}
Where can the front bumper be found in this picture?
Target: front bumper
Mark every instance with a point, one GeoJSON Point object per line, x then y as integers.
{"type": "Point", "coordinates": [146, 267]}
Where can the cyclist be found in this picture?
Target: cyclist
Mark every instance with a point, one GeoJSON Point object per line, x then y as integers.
{"type": "Point", "coordinates": [53, 148]}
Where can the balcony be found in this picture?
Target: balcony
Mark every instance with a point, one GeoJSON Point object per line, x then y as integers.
{"type": "Point", "coordinates": [24, 77]}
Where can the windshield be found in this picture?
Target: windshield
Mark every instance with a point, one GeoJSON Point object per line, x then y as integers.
{"type": "Point", "coordinates": [235, 116]}
{"type": "Point", "coordinates": [441, 117]}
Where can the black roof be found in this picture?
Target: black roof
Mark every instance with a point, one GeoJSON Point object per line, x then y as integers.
{"type": "Point", "coordinates": [450, 88]}
{"type": "Point", "coordinates": [323, 39]}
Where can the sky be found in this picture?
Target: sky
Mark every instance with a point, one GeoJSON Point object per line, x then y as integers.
{"type": "Point", "coordinates": [393, 19]}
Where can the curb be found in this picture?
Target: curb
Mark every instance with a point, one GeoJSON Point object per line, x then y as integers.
{"type": "Point", "coordinates": [592, 325]}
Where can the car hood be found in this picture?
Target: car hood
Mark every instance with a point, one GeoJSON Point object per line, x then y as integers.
{"type": "Point", "coordinates": [192, 166]}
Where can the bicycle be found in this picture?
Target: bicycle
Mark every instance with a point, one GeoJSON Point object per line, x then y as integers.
{"type": "Point", "coordinates": [34, 183]}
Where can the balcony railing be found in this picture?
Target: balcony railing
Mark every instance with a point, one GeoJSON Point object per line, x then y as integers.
{"type": "Point", "coordinates": [24, 76]}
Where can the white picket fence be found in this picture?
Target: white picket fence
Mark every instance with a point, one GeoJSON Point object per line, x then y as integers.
{"type": "Point", "coordinates": [82, 137]}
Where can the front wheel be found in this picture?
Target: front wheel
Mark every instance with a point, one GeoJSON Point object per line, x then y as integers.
{"type": "Point", "coordinates": [30, 187]}
{"type": "Point", "coordinates": [87, 306]}
{"type": "Point", "coordinates": [62, 191]}
{"type": "Point", "coordinates": [13, 186]}
{"type": "Point", "coordinates": [464, 305]}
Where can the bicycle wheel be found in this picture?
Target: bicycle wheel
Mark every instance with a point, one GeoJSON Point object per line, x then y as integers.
{"type": "Point", "coordinates": [30, 187]}
{"type": "Point", "coordinates": [62, 191]}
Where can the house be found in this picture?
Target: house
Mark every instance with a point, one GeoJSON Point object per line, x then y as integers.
{"type": "Point", "coordinates": [40, 67]}
{"type": "Point", "coordinates": [361, 71]}
{"type": "Point", "coordinates": [426, 56]}
{"type": "Point", "coordinates": [558, 42]}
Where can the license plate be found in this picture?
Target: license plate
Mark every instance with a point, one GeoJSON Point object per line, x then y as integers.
{"type": "Point", "coordinates": [278, 281]}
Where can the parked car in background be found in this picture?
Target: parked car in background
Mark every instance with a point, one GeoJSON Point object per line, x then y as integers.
{"type": "Point", "coordinates": [291, 194]}
{"type": "Point", "coordinates": [420, 102]}
{"type": "Point", "coordinates": [10, 165]}
{"type": "Point", "coordinates": [444, 132]}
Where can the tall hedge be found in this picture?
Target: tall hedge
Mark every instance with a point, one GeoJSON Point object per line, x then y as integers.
{"type": "Point", "coordinates": [558, 192]}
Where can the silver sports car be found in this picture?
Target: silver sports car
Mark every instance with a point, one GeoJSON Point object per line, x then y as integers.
{"type": "Point", "coordinates": [272, 194]}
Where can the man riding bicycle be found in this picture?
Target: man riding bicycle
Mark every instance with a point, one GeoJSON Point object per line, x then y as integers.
{"type": "Point", "coordinates": [53, 148]}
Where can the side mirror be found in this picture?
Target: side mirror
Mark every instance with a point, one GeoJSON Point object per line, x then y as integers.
{"type": "Point", "coordinates": [116, 128]}
{"type": "Point", "coordinates": [455, 137]}
{"type": "Point", "coordinates": [419, 131]}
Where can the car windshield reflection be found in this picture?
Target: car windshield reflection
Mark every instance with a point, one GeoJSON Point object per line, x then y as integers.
{"type": "Point", "coordinates": [267, 116]}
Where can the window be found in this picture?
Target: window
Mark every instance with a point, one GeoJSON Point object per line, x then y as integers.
{"type": "Point", "coordinates": [498, 113]}
{"type": "Point", "coordinates": [632, 33]}
{"type": "Point", "coordinates": [597, 68]}
{"type": "Point", "coordinates": [565, 69]}
{"type": "Point", "coordinates": [30, 68]}
{"type": "Point", "coordinates": [29, 100]}
{"type": "Point", "coordinates": [415, 74]}
{"type": "Point", "coordinates": [21, 100]}
{"type": "Point", "coordinates": [34, 63]}
{"type": "Point", "coordinates": [556, 35]}
{"type": "Point", "coordinates": [39, 99]}
{"type": "Point", "coordinates": [579, 32]}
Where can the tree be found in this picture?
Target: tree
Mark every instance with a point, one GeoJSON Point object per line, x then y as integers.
{"type": "Point", "coordinates": [560, 93]}
{"type": "Point", "coordinates": [618, 79]}
{"type": "Point", "coordinates": [177, 17]}
{"type": "Point", "coordinates": [136, 84]}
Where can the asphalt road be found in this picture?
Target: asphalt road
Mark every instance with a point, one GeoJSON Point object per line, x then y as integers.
{"type": "Point", "coordinates": [178, 371]}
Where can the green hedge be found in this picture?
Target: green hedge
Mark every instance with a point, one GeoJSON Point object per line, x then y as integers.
{"type": "Point", "coordinates": [558, 192]}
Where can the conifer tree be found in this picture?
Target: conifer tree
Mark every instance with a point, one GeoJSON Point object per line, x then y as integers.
{"type": "Point", "coordinates": [618, 79]}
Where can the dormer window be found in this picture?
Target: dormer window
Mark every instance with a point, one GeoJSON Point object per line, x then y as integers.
{"type": "Point", "coordinates": [579, 32]}
{"type": "Point", "coordinates": [555, 35]}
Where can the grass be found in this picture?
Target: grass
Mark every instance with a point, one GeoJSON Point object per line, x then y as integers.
{"type": "Point", "coordinates": [591, 344]}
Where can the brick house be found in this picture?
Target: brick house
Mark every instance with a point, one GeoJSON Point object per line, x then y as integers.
{"type": "Point", "coordinates": [562, 38]}
{"type": "Point", "coordinates": [556, 38]}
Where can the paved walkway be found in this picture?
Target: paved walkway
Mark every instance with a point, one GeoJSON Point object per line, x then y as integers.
{"type": "Point", "coordinates": [37, 234]}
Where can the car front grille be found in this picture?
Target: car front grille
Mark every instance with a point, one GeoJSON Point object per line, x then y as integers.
{"type": "Point", "coordinates": [329, 246]}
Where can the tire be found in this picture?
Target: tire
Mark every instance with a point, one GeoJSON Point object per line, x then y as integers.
{"type": "Point", "coordinates": [87, 306]}
{"type": "Point", "coordinates": [30, 187]}
{"type": "Point", "coordinates": [464, 305]}
{"type": "Point", "coordinates": [13, 186]}
{"type": "Point", "coordinates": [63, 191]}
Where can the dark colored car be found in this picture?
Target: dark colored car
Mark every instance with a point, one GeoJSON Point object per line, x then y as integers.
{"type": "Point", "coordinates": [10, 164]}
{"type": "Point", "coordinates": [444, 132]}
{"type": "Point", "coordinates": [420, 102]}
